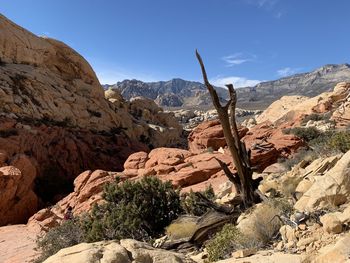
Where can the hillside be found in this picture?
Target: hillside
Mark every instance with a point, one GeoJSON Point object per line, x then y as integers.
{"type": "Point", "coordinates": [189, 94]}
{"type": "Point", "coordinates": [306, 84]}
{"type": "Point", "coordinates": [172, 93]}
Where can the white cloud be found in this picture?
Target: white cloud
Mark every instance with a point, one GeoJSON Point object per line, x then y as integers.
{"type": "Point", "coordinates": [284, 72]}
{"type": "Point", "coordinates": [267, 3]}
{"type": "Point", "coordinates": [238, 82]}
{"type": "Point", "coordinates": [238, 58]}
{"type": "Point", "coordinates": [278, 15]}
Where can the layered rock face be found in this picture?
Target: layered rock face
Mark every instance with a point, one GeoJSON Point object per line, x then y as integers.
{"type": "Point", "coordinates": [53, 109]}
{"type": "Point", "coordinates": [153, 126]}
{"type": "Point", "coordinates": [44, 78]}
{"type": "Point", "coordinates": [290, 108]}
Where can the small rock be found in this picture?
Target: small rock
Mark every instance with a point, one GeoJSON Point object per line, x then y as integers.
{"type": "Point", "coordinates": [302, 227]}
{"type": "Point", "coordinates": [331, 224]}
{"type": "Point", "coordinates": [242, 253]}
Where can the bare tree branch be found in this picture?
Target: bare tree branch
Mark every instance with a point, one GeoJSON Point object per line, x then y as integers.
{"type": "Point", "coordinates": [240, 155]}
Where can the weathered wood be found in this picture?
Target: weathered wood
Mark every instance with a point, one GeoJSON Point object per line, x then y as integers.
{"type": "Point", "coordinates": [240, 155]}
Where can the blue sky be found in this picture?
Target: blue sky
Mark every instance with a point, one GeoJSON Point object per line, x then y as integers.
{"type": "Point", "coordinates": [244, 41]}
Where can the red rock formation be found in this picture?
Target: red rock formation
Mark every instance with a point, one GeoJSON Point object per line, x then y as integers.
{"type": "Point", "coordinates": [64, 152]}
{"type": "Point", "coordinates": [17, 199]}
{"type": "Point", "coordinates": [88, 187]}
{"type": "Point", "coordinates": [266, 141]}
{"type": "Point", "coordinates": [209, 134]}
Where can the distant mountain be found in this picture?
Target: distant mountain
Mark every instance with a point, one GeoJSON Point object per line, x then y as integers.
{"type": "Point", "coordinates": [306, 84]}
{"type": "Point", "coordinates": [172, 93]}
{"type": "Point", "coordinates": [189, 94]}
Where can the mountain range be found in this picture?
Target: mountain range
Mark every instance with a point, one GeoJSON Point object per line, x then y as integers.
{"type": "Point", "coordinates": [191, 94]}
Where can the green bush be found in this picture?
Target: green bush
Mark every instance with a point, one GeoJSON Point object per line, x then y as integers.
{"type": "Point", "coordinates": [139, 210]}
{"type": "Point", "coordinates": [190, 202]}
{"type": "Point", "coordinates": [69, 233]}
{"type": "Point", "coordinates": [307, 134]}
{"type": "Point", "coordinates": [224, 242]}
{"type": "Point", "coordinates": [317, 117]}
{"type": "Point", "coordinates": [340, 141]}
{"type": "Point", "coordinates": [330, 143]}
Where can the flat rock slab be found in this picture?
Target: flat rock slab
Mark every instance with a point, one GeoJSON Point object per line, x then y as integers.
{"type": "Point", "coordinates": [17, 244]}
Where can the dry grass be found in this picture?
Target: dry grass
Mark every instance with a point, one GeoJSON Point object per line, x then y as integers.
{"type": "Point", "coordinates": [289, 185]}
{"type": "Point", "coordinates": [182, 228]}
{"type": "Point", "coordinates": [263, 226]}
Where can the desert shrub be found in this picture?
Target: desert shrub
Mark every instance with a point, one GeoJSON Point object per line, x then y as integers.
{"type": "Point", "coordinates": [139, 210]}
{"type": "Point", "coordinates": [282, 205]}
{"type": "Point", "coordinates": [317, 117]}
{"type": "Point", "coordinates": [191, 203]}
{"type": "Point", "coordinates": [288, 186]}
{"type": "Point", "coordinates": [262, 226]}
{"type": "Point", "coordinates": [225, 242]}
{"type": "Point", "coordinates": [69, 233]}
{"type": "Point", "coordinates": [307, 134]}
{"type": "Point", "coordinates": [340, 141]}
{"type": "Point", "coordinates": [258, 230]}
{"type": "Point", "coordinates": [182, 227]}
{"type": "Point", "coordinates": [305, 154]}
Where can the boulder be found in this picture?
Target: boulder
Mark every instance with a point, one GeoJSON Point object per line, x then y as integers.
{"type": "Point", "coordinates": [136, 160]}
{"type": "Point", "coordinates": [17, 198]}
{"type": "Point", "coordinates": [333, 188]}
{"type": "Point", "coordinates": [125, 251]}
{"type": "Point", "coordinates": [209, 134]}
{"type": "Point", "coordinates": [331, 224]}
{"type": "Point", "coordinates": [335, 253]}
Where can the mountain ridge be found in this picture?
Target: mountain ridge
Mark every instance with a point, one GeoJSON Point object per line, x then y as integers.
{"type": "Point", "coordinates": [183, 93]}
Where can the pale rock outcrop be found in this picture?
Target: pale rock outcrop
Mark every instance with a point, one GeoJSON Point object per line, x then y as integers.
{"type": "Point", "coordinates": [153, 126]}
{"type": "Point", "coordinates": [17, 244]}
{"type": "Point", "coordinates": [335, 253]}
{"type": "Point", "coordinates": [331, 223]}
{"type": "Point", "coordinates": [124, 251]}
{"type": "Point", "coordinates": [279, 108]}
{"type": "Point", "coordinates": [290, 107]}
{"type": "Point", "coordinates": [43, 78]}
{"type": "Point", "coordinates": [334, 222]}
{"type": "Point", "coordinates": [333, 188]}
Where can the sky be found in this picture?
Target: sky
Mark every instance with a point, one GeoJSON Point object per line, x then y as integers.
{"type": "Point", "coordinates": [241, 41]}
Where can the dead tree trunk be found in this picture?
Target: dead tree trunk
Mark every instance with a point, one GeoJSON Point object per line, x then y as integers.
{"type": "Point", "coordinates": [241, 157]}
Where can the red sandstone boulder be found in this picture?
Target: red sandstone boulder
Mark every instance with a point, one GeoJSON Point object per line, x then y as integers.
{"type": "Point", "coordinates": [136, 160]}
{"type": "Point", "coordinates": [266, 141]}
{"type": "Point", "coordinates": [209, 134]}
{"type": "Point", "coordinates": [17, 199]}
{"type": "Point", "coordinates": [88, 188]}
